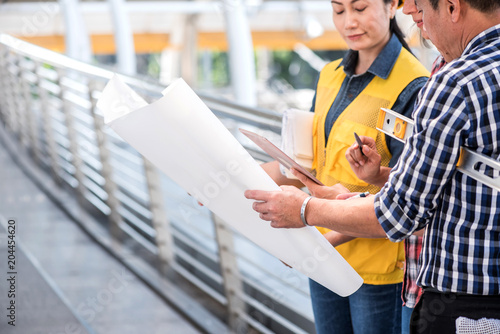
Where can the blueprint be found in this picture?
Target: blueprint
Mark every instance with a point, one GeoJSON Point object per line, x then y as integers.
{"type": "Point", "coordinates": [181, 136]}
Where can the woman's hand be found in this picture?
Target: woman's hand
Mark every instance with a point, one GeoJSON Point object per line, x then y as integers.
{"type": "Point", "coordinates": [272, 169]}
{"type": "Point", "coordinates": [319, 191]}
{"type": "Point", "coordinates": [366, 166]}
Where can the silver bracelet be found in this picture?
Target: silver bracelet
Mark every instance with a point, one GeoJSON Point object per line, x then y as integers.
{"type": "Point", "coordinates": [303, 210]}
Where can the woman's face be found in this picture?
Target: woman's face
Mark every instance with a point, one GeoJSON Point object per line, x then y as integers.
{"type": "Point", "coordinates": [409, 8]}
{"type": "Point", "coordinates": [363, 24]}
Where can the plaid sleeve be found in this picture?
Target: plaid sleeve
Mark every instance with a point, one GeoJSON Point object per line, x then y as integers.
{"type": "Point", "coordinates": [414, 189]}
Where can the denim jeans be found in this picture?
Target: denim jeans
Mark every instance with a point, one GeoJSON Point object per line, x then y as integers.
{"type": "Point", "coordinates": [373, 309]}
{"type": "Point", "coordinates": [405, 320]}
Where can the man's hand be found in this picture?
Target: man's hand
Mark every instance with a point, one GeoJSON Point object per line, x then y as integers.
{"type": "Point", "coordinates": [319, 191]}
{"type": "Point", "coordinates": [281, 208]}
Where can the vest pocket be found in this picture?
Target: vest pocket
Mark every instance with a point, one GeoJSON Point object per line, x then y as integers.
{"type": "Point", "coordinates": [340, 139]}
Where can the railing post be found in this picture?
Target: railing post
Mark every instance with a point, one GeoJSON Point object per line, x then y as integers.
{"type": "Point", "coordinates": [67, 110]}
{"type": "Point", "coordinates": [10, 101]}
{"type": "Point", "coordinates": [233, 286]}
{"type": "Point", "coordinates": [163, 238]}
{"type": "Point", "coordinates": [47, 128]}
{"type": "Point", "coordinates": [3, 86]}
{"type": "Point", "coordinates": [31, 126]}
{"type": "Point", "coordinates": [115, 219]}
{"type": "Point", "coordinates": [23, 105]}
{"type": "Point", "coordinates": [19, 110]}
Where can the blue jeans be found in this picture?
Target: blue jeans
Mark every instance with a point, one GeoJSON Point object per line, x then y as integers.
{"type": "Point", "coordinates": [373, 309]}
{"type": "Point", "coordinates": [405, 320]}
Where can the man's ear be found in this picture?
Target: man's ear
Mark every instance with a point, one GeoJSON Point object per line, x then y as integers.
{"type": "Point", "coordinates": [453, 8]}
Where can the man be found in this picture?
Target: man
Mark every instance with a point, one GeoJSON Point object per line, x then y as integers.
{"type": "Point", "coordinates": [459, 106]}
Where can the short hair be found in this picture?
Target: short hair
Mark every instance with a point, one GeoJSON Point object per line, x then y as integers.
{"type": "Point", "coordinates": [485, 6]}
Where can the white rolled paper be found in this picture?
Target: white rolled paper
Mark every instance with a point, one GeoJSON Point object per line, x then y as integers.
{"type": "Point", "coordinates": [185, 140]}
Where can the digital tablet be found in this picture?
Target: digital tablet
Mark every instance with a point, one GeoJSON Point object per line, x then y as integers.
{"type": "Point", "coordinates": [278, 154]}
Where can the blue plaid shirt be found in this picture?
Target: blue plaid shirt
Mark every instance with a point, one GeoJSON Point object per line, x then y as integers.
{"type": "Point", "coordinates": [459, 106]}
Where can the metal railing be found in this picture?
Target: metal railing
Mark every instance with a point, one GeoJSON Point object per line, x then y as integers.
{"type": "Point", "coordinates": [48, 104]}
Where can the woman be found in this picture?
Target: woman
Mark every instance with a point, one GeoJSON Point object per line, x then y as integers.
{"type": "Point", "coordinates": [377, 71]}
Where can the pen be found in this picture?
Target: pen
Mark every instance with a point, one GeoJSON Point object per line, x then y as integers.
{"type": "Point", "coordinates": [366, 193]}
{"type": "Point", "coordinates": [360, 143]}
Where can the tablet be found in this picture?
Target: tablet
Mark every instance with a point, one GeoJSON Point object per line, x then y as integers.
{"type": "Point", "coordinates": [278, 154]}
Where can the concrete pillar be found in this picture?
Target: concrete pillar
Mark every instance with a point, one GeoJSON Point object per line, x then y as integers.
{"type": "Point", "coordinates": [124, 39]}
{"type": "Point", "coordinates": [76, 38]}
{"type": "Point", "coordinates": [241, 54]}
{"type": "Point", "coordinates": [181, 59]}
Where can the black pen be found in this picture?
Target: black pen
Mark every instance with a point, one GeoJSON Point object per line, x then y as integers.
{"type": "Point", "coordinates": [360, 143]}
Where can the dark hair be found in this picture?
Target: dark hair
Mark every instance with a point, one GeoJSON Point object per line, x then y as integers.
{"type": "Point", "coordinates": [394, 28]}
{"type": "Point", "coordinates": [485, 6]}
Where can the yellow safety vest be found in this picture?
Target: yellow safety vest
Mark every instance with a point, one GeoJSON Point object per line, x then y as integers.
{"type": "Point", "coordinates": [378, 261]}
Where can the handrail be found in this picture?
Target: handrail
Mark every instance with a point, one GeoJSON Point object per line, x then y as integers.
{"type": "Point", "coordinates": [49, 106]}
{"type": "Point", "coordinates": [36, 53]}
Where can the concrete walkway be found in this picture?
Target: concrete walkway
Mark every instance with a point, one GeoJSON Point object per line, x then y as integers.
{"type": "Point", "coordinates": [64, 282]}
